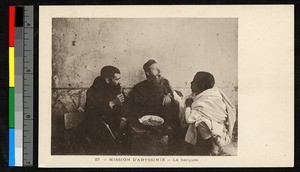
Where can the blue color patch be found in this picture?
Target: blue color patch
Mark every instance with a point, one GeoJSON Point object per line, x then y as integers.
{"type": "Point", "coordinates": [11, 147]}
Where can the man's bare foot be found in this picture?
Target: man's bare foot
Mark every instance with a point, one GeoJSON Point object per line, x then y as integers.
{"type": "Point", "coordinates": [214, 149]}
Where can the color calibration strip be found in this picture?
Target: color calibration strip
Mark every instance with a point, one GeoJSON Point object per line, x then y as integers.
{"type": "Point", "coordinates": [20, 86]}
{"type": "Point", "coordinates": [11, 86]}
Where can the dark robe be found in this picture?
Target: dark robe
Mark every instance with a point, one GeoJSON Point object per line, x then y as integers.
{"type": "Point", "coordinates": [98, 112]}
{"type": "Point", "coordinates": [147, 97]}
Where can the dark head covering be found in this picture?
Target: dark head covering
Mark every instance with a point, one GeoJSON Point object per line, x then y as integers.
{"type": "Point", "coordinates": [148, 64]}
{"type": "Point", "coordinates": [204, 79]}
{"type": "Point", "coordinates": [109, 71]}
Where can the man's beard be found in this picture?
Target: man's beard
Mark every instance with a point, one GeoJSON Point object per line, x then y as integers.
{"type": "Point", "coordinates": [156, 78]}
{"type": "Point", "coordinates": [114, 87]}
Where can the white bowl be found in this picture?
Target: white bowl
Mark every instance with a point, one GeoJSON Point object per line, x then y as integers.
{"type": "Point", "coordinates": [151, 120]}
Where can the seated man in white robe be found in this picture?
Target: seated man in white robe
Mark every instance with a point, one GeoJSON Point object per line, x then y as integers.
{"type": "Point", "coordinates": [209, 113]}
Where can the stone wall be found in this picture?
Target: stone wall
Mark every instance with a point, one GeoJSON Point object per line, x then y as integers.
{"type": "Point", "coordinates": [182, 47]}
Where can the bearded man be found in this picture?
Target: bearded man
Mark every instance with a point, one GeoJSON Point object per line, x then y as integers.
{"type": "Point", "coordinates": [106, 118]}
{"type": "Point", "coordinates": [155, 96]}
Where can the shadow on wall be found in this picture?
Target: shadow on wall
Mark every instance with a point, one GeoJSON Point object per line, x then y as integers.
{"type": "Point", "coordinates": [67, 112]}
{"type": "Point", "coordinates": [182, 47]}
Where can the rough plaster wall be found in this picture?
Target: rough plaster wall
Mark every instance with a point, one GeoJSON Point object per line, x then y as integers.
{"type": "Point", "coordinates": [182, 47]}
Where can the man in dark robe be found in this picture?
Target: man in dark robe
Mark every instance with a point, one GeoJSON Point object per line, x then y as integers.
{"type": "Point", "coordinates": [106, 119]}
{"type": "Point", "coordinates": [154, 96]}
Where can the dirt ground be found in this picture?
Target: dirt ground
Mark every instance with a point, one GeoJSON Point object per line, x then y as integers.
{"type": "Point", "coordinates": [68, 143]}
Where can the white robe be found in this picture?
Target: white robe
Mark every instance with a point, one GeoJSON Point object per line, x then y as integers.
{"type": "Point", "coordinates": [214, 109]}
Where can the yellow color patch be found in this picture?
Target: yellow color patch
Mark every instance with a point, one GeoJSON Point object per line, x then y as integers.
{"type": "Point", "coordinates": [11, 66]}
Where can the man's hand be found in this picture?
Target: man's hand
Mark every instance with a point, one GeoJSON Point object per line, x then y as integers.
{"type": "Point", "coordinates": [167, 99]}
{"type": "Point", "coordinates": [117, 100]}
{"type": "Point", "coordinates": [188, 102]}
{"type": "Point", "coordinates": [123, 122]}
{"type": "Point", "coordinates": [169, 85]}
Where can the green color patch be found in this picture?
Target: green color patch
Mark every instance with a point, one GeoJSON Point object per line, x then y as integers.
{"type": "Point", "coordinates": [11, 107]}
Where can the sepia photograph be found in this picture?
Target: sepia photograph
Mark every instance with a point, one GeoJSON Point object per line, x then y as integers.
{"type": "Point", "coordinates": [147, 86]}
{"type": "Point", "coordinates": [166, 86]}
